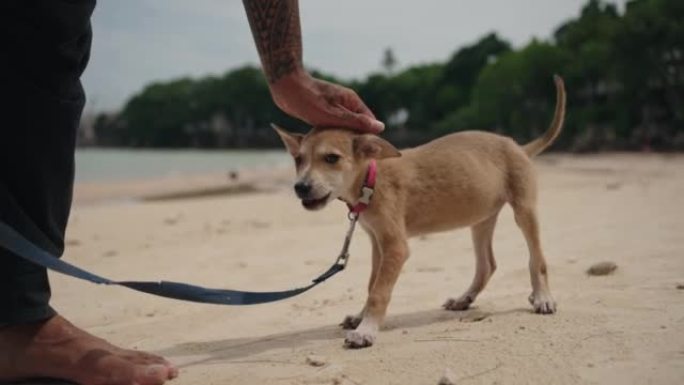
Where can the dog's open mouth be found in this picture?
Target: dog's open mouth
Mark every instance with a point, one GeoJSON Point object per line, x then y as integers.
{"type": "Point", "coordinates": [313, 204]}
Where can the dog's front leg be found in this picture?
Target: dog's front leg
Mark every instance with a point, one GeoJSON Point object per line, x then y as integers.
{"type": "Point", "coordinates": [352, 321]}
{"type": "Point", "coordinates": [394, 252]}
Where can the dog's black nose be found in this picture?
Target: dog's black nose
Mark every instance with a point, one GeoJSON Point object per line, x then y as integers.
{"type": "Point", "coordinates": [302, 189]}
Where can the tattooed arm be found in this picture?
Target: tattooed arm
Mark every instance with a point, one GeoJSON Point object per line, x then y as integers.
{"type": "Point", "coordinates": [277, 34]}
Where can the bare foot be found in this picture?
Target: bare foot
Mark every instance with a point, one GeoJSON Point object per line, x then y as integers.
{"type": "Point", "coordinates": [57, 349]}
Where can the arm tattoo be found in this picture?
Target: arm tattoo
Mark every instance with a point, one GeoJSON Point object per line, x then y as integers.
{"type": "Point", "coordinates": [277, 34]}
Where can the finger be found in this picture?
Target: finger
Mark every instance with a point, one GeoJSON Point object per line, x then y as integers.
{"type": "Point", "coordinates": [358, 121]}
{"type": "Point", "coordinates": [354, 103]}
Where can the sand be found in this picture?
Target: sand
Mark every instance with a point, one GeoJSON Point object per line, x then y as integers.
{"type": "Point", "coordinates": [624, 328]}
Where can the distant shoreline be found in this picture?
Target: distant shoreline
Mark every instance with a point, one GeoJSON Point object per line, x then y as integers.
{"type": "Point", "coordinates": [126, 164]}
{"type": "Point", "coordinates": [105, 176]}
{"type": "Point", "coordinates": [249, 180]}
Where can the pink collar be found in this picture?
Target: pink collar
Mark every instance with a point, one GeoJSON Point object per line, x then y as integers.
{"type": "Point", "coordinates": [367, 190]}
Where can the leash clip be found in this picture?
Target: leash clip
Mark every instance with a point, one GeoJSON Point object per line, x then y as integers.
{"type": "Point", "coordinates": [343, 258]}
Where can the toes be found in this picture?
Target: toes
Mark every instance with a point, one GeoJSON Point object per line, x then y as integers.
{"type": "Point", "coordinates": [173, 372]}
{"type": "Point", "coordinates": [357, 340]}
{"type": "Point", "coordinates": [542, 304]}
{"type": "Point", "coordinates": [350, 322]}
{"type": "Point", "coordinates": [152, 374]}
{"type": "Point", "coordinates": [459, 304]}
{"type": "Point", "coordinates": [103, 367]}
{"type": "Point", "coordinates": [143, 358]}
{"type": "Point", "coordinates": [150, 369]}
{"type": "Point", "coordinates": [545, 308]}
{"type": "Point", "coordinates": [147, 359]}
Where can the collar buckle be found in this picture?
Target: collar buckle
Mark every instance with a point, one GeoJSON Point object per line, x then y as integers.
{"type": "Point", "coordinates": [366, 195]}
{"type": "Point", "coordinates": [367, 191]}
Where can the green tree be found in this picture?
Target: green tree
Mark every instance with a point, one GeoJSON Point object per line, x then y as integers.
{"type": "Point", "coordinates": [389, 61]}
{"type": "Point", "coordinates": [624, 75]}
{"type": "Point", "coordinates": [514, 95]}
{"type": "Point", "coordinates": [649, 61]}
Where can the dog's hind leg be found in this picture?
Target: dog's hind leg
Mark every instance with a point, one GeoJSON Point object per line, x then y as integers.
{"type": "Point", "coordinates": [351, 322]}
{"type": "Point", "coordinates": [541, 299]}
{"type": "Point", "coordinates": [482, 234]}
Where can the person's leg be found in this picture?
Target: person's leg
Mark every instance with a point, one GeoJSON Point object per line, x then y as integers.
{"type": "Point", "coordinates": [46, 45]}
{"type": "Point", "coordinates": [40, 104]}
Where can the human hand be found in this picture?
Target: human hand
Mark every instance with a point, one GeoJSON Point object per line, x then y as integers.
{"type": "Point", "coordinates": [323, 104]}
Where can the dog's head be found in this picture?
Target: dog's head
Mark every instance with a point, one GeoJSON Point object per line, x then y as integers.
{"type": "Point", "coordinates": [329, 162]}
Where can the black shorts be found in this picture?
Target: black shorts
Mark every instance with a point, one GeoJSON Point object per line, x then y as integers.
{"type": "Point", "coordinates": [45, 46]}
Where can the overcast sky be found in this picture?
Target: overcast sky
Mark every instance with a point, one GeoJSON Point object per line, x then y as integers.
{"type": "Point", "coordinates": [139, 41]}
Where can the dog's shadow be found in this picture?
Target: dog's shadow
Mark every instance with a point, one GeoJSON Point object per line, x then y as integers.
{"type": "Point", "coordinates": [242, 348]}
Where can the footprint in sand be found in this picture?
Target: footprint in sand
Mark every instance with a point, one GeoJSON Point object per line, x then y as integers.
{"type": "Point", "coordinates": [258, 224]}
{"type": "Point", "coordinates": [170, 221]}
{"type": "Point", "coordinates": [73, 242]}
{"type": "Point", "coordinates": [429, 269]}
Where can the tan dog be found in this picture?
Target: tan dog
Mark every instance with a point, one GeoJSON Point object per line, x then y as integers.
{"type": "Point", "coordinates": [459, 180]}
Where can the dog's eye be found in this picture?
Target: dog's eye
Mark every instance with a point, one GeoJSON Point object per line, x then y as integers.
{"type": "Point", "coordinates": [298, 160]}
{"type": "Point", "coordinates": [331, 158]}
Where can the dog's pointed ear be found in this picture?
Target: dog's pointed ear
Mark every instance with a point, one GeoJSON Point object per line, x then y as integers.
{"type": "Point", "coordinates": [373, 146]}
{"type": "Point", "coordinates": [292, 141]}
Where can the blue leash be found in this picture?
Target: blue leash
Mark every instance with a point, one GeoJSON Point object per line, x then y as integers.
{"type": "Point", "coordinates": [11, 240]}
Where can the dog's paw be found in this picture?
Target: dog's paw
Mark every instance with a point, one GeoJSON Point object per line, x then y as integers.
{"type": "Point", "coordinates": [542, 303]}
{"type": "Point", "coordinates": [457, 304]}
{"type": "Point", "coordinates": [351, 322]}
{"type": "Point", "coordinates": [358, 339]}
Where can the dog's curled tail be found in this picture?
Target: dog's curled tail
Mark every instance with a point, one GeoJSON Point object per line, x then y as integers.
{"type": "Point", "coordinates": [540, 144]}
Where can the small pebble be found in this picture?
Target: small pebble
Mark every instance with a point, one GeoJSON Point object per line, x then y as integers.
{"type": "Point", "coordinates": [447, 378]}
{"type": "Point", "coordinates": [602, 268]}
{"type": "Point", "coordinates": [680, 286]}
{"type": "Point", "coordinates": [316, 360]}
{"type": "Point", "coordinates": [110, 253]}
